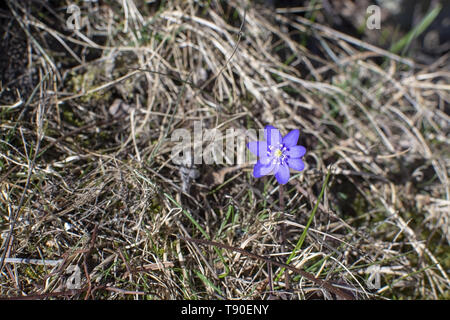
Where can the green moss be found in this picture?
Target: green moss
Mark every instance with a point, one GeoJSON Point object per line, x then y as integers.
{"type": "Point", "coordinates": [69, 117]}
{"type": "Point", "coordinates": [155, 206]}
{"type": "Point", "coordinates": [34, 272]}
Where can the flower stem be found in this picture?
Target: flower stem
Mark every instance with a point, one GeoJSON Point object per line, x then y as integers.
{"type": "Point", "coordinates": [281, 196]}
{"type": "Point", "coordinates": [283, 231]}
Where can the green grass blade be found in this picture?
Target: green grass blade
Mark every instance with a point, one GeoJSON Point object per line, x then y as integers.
{"type": "Point", "coordinates": [209, 283]}
{"type": "Point", "coordinates": [404, 42]}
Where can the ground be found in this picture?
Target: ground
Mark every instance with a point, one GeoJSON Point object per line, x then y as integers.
{"type": "Point", "coordinates": [94, 207]}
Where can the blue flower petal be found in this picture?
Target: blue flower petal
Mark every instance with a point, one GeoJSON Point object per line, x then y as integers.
{"type": "Point", "coordinates": [260, 169]}
{"type": "Point", "coordinates": [258, 148]}
{"type": "Point", "coordinates": [272, 136]}
{"type": "Point", "coordinates": [283, 174]}
{"type": "Point", "coordinates": [296, 164]}
{"type": "Point", "coordinates": [296, 151]}
{"type": "Point", "coordinates": [291, 138]}
{"type": "Point", "coordinates": [265, 159]}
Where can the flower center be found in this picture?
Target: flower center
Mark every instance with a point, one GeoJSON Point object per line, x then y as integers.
{"type": "Point", "coordinates": [278, 153]}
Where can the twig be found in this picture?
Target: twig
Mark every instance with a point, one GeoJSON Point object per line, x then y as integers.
{"type": "Point", "coordinates": [40, 262]}
{"type": "Point", "coordinates": [118, 290]}
{"type": "Point", "coordinates": [45, 295]}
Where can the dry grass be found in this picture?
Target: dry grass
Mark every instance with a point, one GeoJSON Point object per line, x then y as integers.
{"type": "Point", "coordinates": [87, 178]}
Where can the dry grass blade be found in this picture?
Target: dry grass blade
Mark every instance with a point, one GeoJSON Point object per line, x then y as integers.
{"type": "Point", "coordinates": [307, 275]}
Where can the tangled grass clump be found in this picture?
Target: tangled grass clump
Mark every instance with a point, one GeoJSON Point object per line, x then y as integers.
{"type": "Point", "coordinates": [87, 179]}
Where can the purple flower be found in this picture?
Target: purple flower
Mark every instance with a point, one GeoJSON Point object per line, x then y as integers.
{"type": "Point", "coordinates": [277, 154]}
